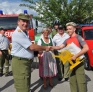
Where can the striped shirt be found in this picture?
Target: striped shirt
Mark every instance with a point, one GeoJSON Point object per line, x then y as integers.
{"type": "Point", "coordinates": [4, 43]}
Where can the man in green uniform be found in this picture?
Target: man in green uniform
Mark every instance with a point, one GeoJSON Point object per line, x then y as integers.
{"type": "Point", "coordinates": [4, 45]}
{"type": "Point", "coordinates": [22, 52]}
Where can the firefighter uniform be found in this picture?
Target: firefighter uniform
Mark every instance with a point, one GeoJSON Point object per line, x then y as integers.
{"type": "Point", "coordinates": [77, 75]}
{"type": "Point", "coordinates": [21, 58]}
{"type": "Point", "coordinates": [4, 61]}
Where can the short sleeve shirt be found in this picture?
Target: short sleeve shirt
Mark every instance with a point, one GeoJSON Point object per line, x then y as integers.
{"type": "Point", "coordinates": [20, 44]}
{"type": "Point", "coordinates": [77, 40]}
{"type": "Point", "coordinates": [4, 42]}
{"type": "Point", "coordinates": [58, 39]}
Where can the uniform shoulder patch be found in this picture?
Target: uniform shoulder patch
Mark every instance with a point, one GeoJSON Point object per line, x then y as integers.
{"type": "Point", "coordinates": [19, 30]}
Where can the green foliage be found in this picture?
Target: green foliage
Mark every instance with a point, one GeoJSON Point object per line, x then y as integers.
{"type": "Point", "coordinates": [79, 11]}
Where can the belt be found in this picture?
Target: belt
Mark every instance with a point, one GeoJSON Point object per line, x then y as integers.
{"type": "Point", "coordinates": [21, 58]}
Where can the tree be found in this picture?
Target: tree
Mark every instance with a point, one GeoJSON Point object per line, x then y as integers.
{"type": "Point", "coordinates": [79, 11]}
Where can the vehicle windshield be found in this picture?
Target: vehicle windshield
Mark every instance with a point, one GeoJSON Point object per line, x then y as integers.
{"type": "Point", "coordinates": [10, 22]}
{"type": "Point", "coordinates": [88, 34]}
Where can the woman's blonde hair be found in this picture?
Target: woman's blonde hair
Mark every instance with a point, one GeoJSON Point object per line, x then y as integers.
{"type": "Point", "coordinates": [45, 29]}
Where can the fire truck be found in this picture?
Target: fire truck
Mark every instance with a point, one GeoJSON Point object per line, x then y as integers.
{"type": "Point", "coordinates": [9, 23]}
{"type": "Point", "coordinates": [86, 31]}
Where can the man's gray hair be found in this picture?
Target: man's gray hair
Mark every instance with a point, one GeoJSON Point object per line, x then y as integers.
{"type": "Point", "coordinates": [45, 29]}
{"type": "Point", "coordinates": [71, 24]}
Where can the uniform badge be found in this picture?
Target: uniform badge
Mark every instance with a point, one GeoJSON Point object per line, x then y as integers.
{"type": "Point", "coordinates": [19, 30]}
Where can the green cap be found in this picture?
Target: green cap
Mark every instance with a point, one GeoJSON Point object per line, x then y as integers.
{"type": "Point", "coordinates": [23, 16]}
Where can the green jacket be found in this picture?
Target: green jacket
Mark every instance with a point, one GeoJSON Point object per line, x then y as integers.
{"type": "Point", "coordinates": [54, 32]}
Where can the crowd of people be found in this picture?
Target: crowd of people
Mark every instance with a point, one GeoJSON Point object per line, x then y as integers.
{"type": "Point", "coordinates": [52, 41]}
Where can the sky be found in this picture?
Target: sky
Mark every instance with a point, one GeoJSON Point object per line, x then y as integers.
{"type": "Point", "coordinates": [12, 6]}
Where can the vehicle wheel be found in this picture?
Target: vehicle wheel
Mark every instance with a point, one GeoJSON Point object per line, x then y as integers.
{"type": "Point", "coordinates": [86, 63]}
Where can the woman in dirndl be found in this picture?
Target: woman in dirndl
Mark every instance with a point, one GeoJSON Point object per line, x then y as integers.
{"type": "Point", "coordinates": [47, 63]}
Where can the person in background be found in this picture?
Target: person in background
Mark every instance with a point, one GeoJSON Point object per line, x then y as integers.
{"type": "Point", "coordinates": [47, 64]}
{"type": "Point", "coordinates": [4, 46]}
{"type": "Point", "coordinates": [77, 77]}
{"type": "Point", "coordinates": [54, 31]}
{"type": "Point", "coordinates": [22, 54]}
{"type": "Point", "coordinates": [50, 31]}
{"type": "Point", "coordinates": [58, 39]}
{"type": "Point", "coordinates": [49, 36]}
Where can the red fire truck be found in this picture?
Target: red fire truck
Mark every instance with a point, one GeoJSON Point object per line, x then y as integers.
{"type": "Point", "coordinates": [86, 31]}
{"type": "Point", "coordinates": [9, 23]}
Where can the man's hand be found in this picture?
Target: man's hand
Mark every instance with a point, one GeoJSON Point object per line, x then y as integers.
{"type": "Point", "coordinates": [48, 48]}
{"type": "Point", "coordinates": [51, 48]}
{"type": "Point", "coordinates": [0, 53]}
{"type": "Point", "coordinates": [74, 57]}
{"type": "Point", "coordinates": [40, 52]}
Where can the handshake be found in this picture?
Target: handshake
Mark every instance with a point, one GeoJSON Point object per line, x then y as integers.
{"type": "Point", "coordinates": [49, 48]}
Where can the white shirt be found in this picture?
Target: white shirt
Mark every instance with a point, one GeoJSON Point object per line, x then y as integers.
{"type": "Point", "coordinates": [4, 42]}
{"type": "Point", "coordinates": [58, 39]}
{"type": "Point", "coordinates": [20, 44]}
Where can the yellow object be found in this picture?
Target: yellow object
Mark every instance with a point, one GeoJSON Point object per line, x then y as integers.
{"type": "Point", "coordinates": [66, 56]}
{"type": "Point", "coordinates": [10, 47]}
